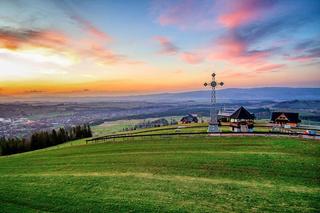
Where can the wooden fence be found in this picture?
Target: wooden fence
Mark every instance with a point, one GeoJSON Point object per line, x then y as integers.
{"type": "Point", "coordinates": [230, 134]}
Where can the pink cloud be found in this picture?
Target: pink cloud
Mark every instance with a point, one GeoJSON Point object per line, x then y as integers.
{"type": "Point", "coordinates": [102, 54]}
{"type": "Point", "coordinates": [15, 39]}
{"type": "Point", "coordinates": [233, 49]}
{"type": "Point", "coordinates": [309, 54]}
{"type": "Point", "coordinates": [270, 68]}
{"type": "Point", "coordinates": [230, 48]}
{"type": "Point", "coordinates": [300, 58]}
{"type": "Point", "coordinates": [205, 14]}
{"type": "Point", "coordinates": [242, 12]}
{"type": "Point", "coordinates": [192, 58]}
{"type": "Point", "coordinates": [234, 19]}
{"type": "Point", "coordinates": [89, 27]}
{"type": "Point", "coordinates": [192, 14]}
{"type": "Point", "coordinates": [239, 75]}
{"type": "Point", "coordinates": [178, 13]}
{"type": "Point", "coordinates": [93, 43]}
{"type": "Point", "coordinates": [92, 30]}
{"type": "Point", "coordinates": [185, 14]}
{"type": "Point", "coordinates": [61, 43]}
{"type": "Point", "coordinates": [167, 47]}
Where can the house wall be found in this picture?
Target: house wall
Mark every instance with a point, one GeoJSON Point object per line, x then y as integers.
{"type": "Point", "coordinates": [242, 128]}
{"type": "Point", "coordinates": [292, 124]}
{"type": "Point", "coordinates": [283, 123]}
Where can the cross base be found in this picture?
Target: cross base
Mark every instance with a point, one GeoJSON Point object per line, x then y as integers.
{"type": "Point", "coordinates": [213, 128]}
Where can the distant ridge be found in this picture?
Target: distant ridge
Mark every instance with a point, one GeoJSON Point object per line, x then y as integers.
{"type": "Point", "coordinates": [224, 95]}
{"type": "Point", "coordinates": [262, 93]}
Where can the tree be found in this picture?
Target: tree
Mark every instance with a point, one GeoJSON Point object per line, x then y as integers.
{"type": "Point", "coordinates": [54, 137]}
{"type": "Point", "coordinates": [43, 139]}
{"type": "Point", "coordinates": [89, 132]}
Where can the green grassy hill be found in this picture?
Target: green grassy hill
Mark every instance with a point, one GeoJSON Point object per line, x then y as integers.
{"type": "Point", "coordinates": [185, 174]}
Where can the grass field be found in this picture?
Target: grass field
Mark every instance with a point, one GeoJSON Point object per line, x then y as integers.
{"type": "Point", "coordinates": [114, 127]}
{"type": "Point", "coordinates": [188, 174]}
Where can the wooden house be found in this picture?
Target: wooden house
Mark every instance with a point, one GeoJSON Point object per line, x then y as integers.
{"type": "Point", "coordinates": [283, 119]}
{"type": "Point", "coordinates": [224, 115]}
{"type": "Point", "coordinates": [189, 119]}
{"type": "Point", "coordinates": [242, 120]}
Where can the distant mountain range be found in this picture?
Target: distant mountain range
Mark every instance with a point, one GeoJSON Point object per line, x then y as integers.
{"type": "Point", "coordinates": [236, 94]}
{"type": "Point", "coordinates": [223, 95]}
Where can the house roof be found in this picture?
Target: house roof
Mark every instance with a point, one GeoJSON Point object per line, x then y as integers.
{"type": "Point", "coordinates": [224, 114]}
{"type": "Point", "coordinates": [291, 116]}
{"type": "Point", "coordinates": [161, 120]}
{"type": "Point", "coordinates": [189, 117]}
{"type": "Point", "coordinates": [242, 113]}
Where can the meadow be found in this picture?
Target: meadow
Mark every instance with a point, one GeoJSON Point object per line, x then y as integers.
{"type": "Point", "coordinates": [178, 174]}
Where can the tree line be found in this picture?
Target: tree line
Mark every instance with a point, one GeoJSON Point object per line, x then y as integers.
{"type": "Point", "coordinates": [43, 139]}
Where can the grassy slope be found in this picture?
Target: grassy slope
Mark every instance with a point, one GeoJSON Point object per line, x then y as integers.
{"type": "Point", "coordinates": [196, 174]}
{"type": "Point", "coordinates": [117, 127]}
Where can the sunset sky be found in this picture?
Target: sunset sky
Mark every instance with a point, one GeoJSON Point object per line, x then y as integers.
{"type": "Point", "coordinates": [112, 47]}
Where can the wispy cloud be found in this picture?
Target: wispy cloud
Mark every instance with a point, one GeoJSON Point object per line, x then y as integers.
{"type": "Point", "coordinates": [242, 12]}
{"type": "Point", "coordinates": [16, 38]}
{"type": "Point", "coordinates": [233, 45]}
{"type": "Point", "coordinates": [207, 14]}
{"type": "Point", "coordinates": [270, 68]}
{"type": "Point", "coordinates": [167, 46]}
{"type": "Point", "coordinates": [305, 51]}
{"type": "Point", "coordinates": [192, 58]}
{"type": "Point", "coordinates": [87, 26]}
{"type": "Point", "coordinates": [58, 43]}
{"type": "Point", "coordinates": [242, 28]}
{"type": "Point", "coordinates": [92, 30]}
{"type": "Point", "coordinates": [92, 44]}
{"type": "Point", "coordinates": [235, 49]}
{"type": "Point", "coordinates": [185, 14]}
{"type": "Point", "coordinates": [307, 44]}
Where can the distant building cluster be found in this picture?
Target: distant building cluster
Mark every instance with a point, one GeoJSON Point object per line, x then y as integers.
{"type": "Point", "coordinates": [152, 124]}
{"type": "Point", "coordinates": [241, 120]}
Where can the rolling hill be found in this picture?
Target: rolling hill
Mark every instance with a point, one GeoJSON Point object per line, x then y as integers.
{"type": "Point", "coordinates": [189, 174]}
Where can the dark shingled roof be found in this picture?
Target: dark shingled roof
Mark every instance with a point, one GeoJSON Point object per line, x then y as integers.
{"type": "Point", "coordinates": [292, 116]}
{"type": "Point", "coordinates": [189, 118]}
{"type": "Point", "coordinates": [242, 113]}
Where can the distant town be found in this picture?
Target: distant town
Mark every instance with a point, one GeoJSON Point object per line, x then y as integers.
{"type": "Point", "coordinates": [22, 119]}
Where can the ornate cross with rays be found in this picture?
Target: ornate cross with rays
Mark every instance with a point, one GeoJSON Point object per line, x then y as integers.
{"type": "Point", "coordinates": [213, 124]}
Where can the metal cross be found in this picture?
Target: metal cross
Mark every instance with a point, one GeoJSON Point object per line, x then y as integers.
{"type": "Point", "coordinates": [213, 125]}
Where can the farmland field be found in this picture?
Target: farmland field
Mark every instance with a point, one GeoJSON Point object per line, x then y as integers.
{"type": "Point", "coordinates": [185, 174]}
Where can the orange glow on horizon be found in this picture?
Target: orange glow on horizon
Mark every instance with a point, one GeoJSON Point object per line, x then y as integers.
{"type": "Point", "coordinates": [85, 51]}
{"type": "Point", "coordinates": [98, 87]}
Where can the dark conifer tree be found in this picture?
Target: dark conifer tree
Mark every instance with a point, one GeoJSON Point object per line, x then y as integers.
{"type": "Point", "coordinates": [43, 139]}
